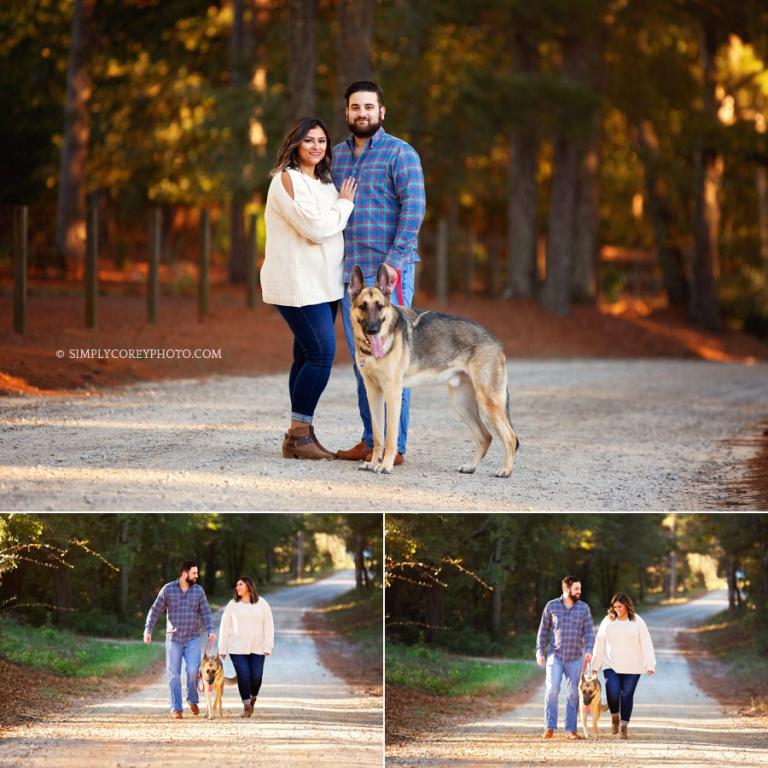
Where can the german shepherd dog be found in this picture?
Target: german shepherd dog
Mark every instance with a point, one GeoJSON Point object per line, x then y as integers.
{"type": "Point", "coordinates": [590, 692]}
{"type": "Point", "coordinates": [212, 675]}
{"type": "Point", "coordinates": [398, 347]}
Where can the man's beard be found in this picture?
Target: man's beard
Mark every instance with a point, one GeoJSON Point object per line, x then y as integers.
{"type": "Point", "coordinates": [364, 133]}
{"type": "Point", "coordinates": [191, 580]}
{"type": "Point", "coordinates": [575, 598]}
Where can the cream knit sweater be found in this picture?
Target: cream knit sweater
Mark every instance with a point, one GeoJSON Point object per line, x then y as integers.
{"type": "Point", "coordinates": [624, 646]}
{"type": "Point", "coordinates": [247, 628]}
{"type": "Point", "coordinates": [305, 247]}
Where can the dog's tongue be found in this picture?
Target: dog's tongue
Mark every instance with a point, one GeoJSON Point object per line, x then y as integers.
{"type": "Point", "coordinates": [210, 688]}
{"type": "Point", "coordinates": [377, 348]}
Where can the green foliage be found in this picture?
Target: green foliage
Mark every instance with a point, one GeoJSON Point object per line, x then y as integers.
{"type": "Point", "coordinates": [358, 617]}
{"type": "Point", "coordinates": [60, 652]}
{"type": "Point", "coordinates": [431, 671]}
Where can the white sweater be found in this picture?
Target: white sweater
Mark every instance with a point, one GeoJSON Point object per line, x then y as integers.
{"type": "Point", "coordinates": [247, 628]}
{"type": "Point", "coordinates": [624, 646]}
{"type": "Point", "coordinates": [305, 247]}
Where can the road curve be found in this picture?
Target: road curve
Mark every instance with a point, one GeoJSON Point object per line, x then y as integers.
{"type": "Point", "coordinates": [305, 716]}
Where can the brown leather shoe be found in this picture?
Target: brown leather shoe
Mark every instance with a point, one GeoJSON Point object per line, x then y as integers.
{"type": "Point", "coordinates": [194, 709]}
{"type": "Point", "coordinates": [549, 733]}
{"type": "Point", "coordinates": [399, 458]}
{"type": "Point", "coordinates": [573, 736]}
{"type": "Point", "coordinates": [177, 715]}
{"type": "Point", "coordinates": [301, 443]}
{"type": "Point", "coordinates": [614, 724]}
{"type": "Point", "coordinates": [623, 734]}
{"type": "Point", "coordinates": [358, 453]}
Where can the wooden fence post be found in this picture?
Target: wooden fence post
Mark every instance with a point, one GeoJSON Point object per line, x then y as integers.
{"type": "Point", "coordinates": [92, 260]}
{"type": "Point", "coordinates": [442, 261]}
{"type": "Point", "coordinates": [153, 286]}
{"type": "Point", "coordinates": [253, 256]}
{"type": "Point", "coordinates": [20, 222]}
{"type": "Point", "coordinates": [203, 287]}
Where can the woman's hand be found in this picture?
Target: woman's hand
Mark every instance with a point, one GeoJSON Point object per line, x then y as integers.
{"type": "Point", "coordinates": [348, 189]}
{"type": "Point", "coordinates": [650, 672]}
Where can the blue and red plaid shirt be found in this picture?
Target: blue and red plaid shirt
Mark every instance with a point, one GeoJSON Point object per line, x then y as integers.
{"type": "Point", "coordinates": [185, 611]}
{"type": "Point", "coordinates": [572, 629]}
{"type": "Point", "coordinates": [389, 206]}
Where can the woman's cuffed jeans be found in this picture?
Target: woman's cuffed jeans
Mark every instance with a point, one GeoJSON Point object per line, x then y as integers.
{"type": "Point", "coordinates": [249, 668]}
{"type": "Point", "coordinates": [620, 692]}
{"type": "Point", "coordinates": [314, 347]}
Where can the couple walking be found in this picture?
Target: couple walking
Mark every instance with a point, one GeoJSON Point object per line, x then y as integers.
{"type": "Point", "coordinates": [371, 188]}
{"type": "Point", "coordinates": [246, 633]}
{"type": "Point", "coordinates": [622, 649]}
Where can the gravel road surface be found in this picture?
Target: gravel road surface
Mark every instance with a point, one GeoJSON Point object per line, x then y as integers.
{"type": "Point", "coordinates": [595, 434]}
{"type": "Point", "coordinates": [673, 723]}
{"type": "Point", "coordinates": [305, 716]}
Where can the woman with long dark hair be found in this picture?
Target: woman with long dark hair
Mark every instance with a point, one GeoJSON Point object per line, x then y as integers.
{"type": "Point", "coordinates": [247, 634]}
{"type": "Point", "coordinates": [624, 651]}
{"type": "Point", "coordinates": [303, 269]}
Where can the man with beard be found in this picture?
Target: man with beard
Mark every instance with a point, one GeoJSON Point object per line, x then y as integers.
{"type": "Point", "coordinates": [184, 600]}
{"type": "Point", "coordinates": [569, 621]}
{"type": "Point", "coordinates": [384, 227]}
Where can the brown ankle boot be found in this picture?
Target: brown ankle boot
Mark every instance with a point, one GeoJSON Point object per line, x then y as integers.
{"type": "Point", "coordinates": [301, 443]}
{"type": "Point", "coordinates": [624, 731]}
{"type": "Point", "coordinates": [247, 709]}
{"type": "Point", "coordinates": [614, 724]}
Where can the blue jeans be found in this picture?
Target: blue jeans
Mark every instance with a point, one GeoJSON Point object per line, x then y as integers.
{"type": "Point", "coordinates": [620, 692]}
{"type": "Point", "coordinates": [249, 668]}
{"type": "Point", "coordinates": [556, 668]}
{"type": "Point", "coordinates": [314, 347]}
{"type": "Point", "coordinates": [407, 277]}
{"type": "Point", "coordinates": [174, 653]}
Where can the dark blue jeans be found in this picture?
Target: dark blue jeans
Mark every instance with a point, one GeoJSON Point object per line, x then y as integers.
{"type": "Point", "coordinates": [620, 692]}
{"type": "Point", "coordinates": [314, 347]}
{"type": "Point", "coordinates": [249, 668]}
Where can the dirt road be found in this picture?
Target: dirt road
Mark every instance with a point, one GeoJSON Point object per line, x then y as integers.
{"type": "Point", "coordinates": [305, 715]}
{"type": "Point", "coordinates": [595, 434]}
{"type": "Point", "coordinates": [673, 722]}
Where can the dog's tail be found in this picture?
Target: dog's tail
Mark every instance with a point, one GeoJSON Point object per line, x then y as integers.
{"type": "Point", "coordinates": [509, 419]}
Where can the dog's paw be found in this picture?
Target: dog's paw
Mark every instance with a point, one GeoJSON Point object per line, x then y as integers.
{"type": "Point", "coordinates": [368, 466]}
{"type": "Point", "coordinates": [467, 469]}
{"type": "Point", "coordinates": [503, 473]}
{"type": "Point", "coordinates": [383, 469]}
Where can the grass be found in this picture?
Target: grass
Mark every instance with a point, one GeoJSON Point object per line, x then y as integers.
{"type": "Point", "coordinates": [358, 617]}
{"type": "Point", "coordinates": [440, 674]}
{"type": "Point", "coordinates": [61, 652]}
{"type": "Point", "coordinates": [729, 637]}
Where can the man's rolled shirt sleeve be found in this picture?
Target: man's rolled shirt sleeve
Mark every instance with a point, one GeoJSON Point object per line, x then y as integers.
{"type": "Point", "coordinates": [205, 612]}
{"type": "Point", "coordinates": [154, 612]}
{"type": "Point", "coordinates": [409, 189]}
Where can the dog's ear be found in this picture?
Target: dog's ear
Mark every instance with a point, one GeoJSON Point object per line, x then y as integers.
{"type": "Point", "coordinates": [356, 283]}
{"type": "Point", "coordinates": [382, 280]}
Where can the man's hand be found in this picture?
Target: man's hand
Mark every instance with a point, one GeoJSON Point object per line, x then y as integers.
{"type": "Point", "coordinates": [211, 639]}
{"type": "Point", "coordinates": [540, 660]}
{"type": "Point", "coordinates": [147, 637]}
{"type": "Point", "coordinates": [588, 657]}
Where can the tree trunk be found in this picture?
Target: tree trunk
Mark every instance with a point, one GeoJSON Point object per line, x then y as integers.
{"type": "Point", "coordinates": [762, 216]}
{"type": "Point", "coordinates": [522, 228]}
{"type": "Point", "coordinates": [70, 216]}
{"type": "Point", "coordinates": [302, 60]}
{"type": "Point", "coordinates": [210, 567]}
{"type": "Point", "coordinates": [435, 608]}
{"type": "Point", "coordinates": [61, 591]}
{"type": "Point", "coordinates": [670, 258]}
{"type": "Point", "coordinates": [125, 567]}
{"type": "Point", "coordinates": [353, 53]}
{"type": "Point", "coordinates": [238, 270]}
{"type": "Point", "coordinates": [522, 189]}
{"type": "Point", "coordinates": [498, 589]}
{"type": "Point", "coordinates": [703, 303]}
{"type": "Point", "coordinates": [565, 171]}
{"type": "Point", "coordinates": [586, 245]}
